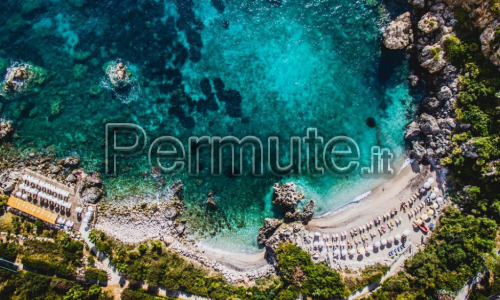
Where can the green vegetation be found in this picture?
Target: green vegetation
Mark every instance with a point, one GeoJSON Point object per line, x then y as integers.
{"type": "Point", "coordinates": [302, 277]}
{"type": "Point", "coordinates": [463, 244]}
{"type": "Point", "coordinates": [96, 274]}
{"type": "Point", "coordinates": [3, 202]}
{"type": "Point", "coordinates": [8, 251]}
{"type": "Point", "coordinates": [45, 258]}
{"type": "Point", "coordinates": [369, 275]}
{"type": "Point", "coordinates": [132, 294]}
{"type": "Point", "coordinates": [33, 286]}
{"type": "Point", "coordinates": [156, 265]}
{"type": "Point", "coordinates": [52, 258]}
{"type": "Point", "coordinates": [436, 51]}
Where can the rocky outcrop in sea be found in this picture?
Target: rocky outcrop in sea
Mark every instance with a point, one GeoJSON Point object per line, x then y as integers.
{"type": "Point", "coordinates": [6, 130]}
{"type": "Point", "coordinates": [291, 228]}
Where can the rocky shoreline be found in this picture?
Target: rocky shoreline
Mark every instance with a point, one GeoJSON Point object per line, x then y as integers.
{"type": "Point", "coordinates": [423, 33]}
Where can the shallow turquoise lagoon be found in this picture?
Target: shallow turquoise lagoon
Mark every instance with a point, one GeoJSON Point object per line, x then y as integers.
{"type": "Point", "coordinates": [212, 68]}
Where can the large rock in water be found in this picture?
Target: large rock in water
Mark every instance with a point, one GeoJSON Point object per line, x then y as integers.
{"type": "Point", "coordinates": [6, 130]}
{"type": "Point", "coordinates": [412, 131]}
{"type": "Point", "coordinates": [286, 196]}
{"type": "Point", "coordinates": [398, 34]}
{"type": "Point", "coordinates": [308, 212]}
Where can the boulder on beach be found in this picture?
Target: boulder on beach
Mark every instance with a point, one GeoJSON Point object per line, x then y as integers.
{"type": "Point", "coordinates": [270, 226]}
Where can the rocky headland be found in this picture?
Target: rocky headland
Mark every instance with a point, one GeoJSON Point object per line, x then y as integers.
{"type": "Point", "coordinates": [423, 33]}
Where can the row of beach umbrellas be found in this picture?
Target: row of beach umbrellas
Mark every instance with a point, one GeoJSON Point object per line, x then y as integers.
{"type": "Point", "coordinates": [46, 185]}
{"type": "Point", "coordinates": [42, 195]}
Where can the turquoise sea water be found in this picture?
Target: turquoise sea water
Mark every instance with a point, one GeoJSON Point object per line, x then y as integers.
{"type": "Point", "coordinates": [285, 65]}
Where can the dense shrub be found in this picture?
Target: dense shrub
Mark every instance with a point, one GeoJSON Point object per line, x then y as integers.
{"type": "Point", "coordinates": [302, 277]}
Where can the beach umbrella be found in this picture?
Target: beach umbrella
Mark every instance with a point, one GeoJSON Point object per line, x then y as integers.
{"type": "Point", "coordinates": [369, 249]}
{"type": "Point", "coordinates": [435, 205]}
{"type": "Point", "coordinates": [425, 217]}
{"type": "Point", "coordinates": [406, 232]}
{"type": "Point", "coordinates": [439, 199]}
{"type": "Point", "coordinates": [422, 190]}
{"type": "Point", "coordinates": [19, 194]}
{"type": "Point", "coordinates": [427, 185]}
{"type": "Point", "coordinates": [344, 252]}
{"type": "Point", "coordinates": [433, 195]}
{"type": "Point", "coordinates": [317, 234]}
{"type": "Point", "coordinates": [418, 222]}
{"type": "Point", "coordinates": [24, 196]}
{"type": "Point", "coordinates": [390, 240]}
{"type": "Point", "coordinates": [336, 252]}
{"type": "Point", "coordinates": [430, 212]}
{"type": "Point", "coordinates": [361, 250]}
{"type": "Point", "coordinates": [376, 244]}
{"type": "Point", "coordinates": [383, 242]}
{"type": "Point", "coordinates": [430, 180]}
{"type": "Point", "coordinates": [397, 237]}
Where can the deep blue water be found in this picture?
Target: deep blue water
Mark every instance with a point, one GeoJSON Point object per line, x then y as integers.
{"type": "Point", "coordinates": [283, 67]}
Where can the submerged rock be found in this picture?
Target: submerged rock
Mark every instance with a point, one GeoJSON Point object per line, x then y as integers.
{"type": "Point", "coordinates": [211, 201]}
{"type": "Point", "coordinates": [370, 122]}
{"type": "Point", "coordinates": [398, 34]}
